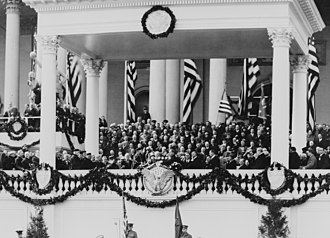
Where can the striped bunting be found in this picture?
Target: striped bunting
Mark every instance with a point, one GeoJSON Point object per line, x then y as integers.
{"type": "Point", "coordinates": [74, 80]}
{"type": "Point", "coordinates": [191, 89]}
{"type": "Point", "coordinates": [131, 77]}
{"type": "Point", "coordinates": [313, 82]}
{"type": "Point", "coordinates": [251, 71]}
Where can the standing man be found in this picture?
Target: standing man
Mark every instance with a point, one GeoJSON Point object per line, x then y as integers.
{"type": "Point", "coordinates": [184, 233]}
{"type": "Point", "coordinates": [146, 115]}
{"type": "Point", "coordinates": [130, 233]}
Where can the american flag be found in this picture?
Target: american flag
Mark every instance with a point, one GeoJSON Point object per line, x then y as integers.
{"type": "Point", "coordinates": [226, 106]}
{"type": "Point", "coordinates": [250, 73]}
{"type": "Point", "coordinates": [191, 88]}
{"type": "Point", "coordinates": [125, 220]}
{"type": "Point", "coordinates": [74, 79]}
{"type": "Point", "coordinates": [262, 104]}
{"type": "Point", "coordinates": [313, 82]}
{"type": "Point", "coordinates": [131, 77]}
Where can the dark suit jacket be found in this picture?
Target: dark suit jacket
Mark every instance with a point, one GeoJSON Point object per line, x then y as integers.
{"type": "Point", "coordinates": [213, 163]}
{"type": "Point", "coordinates": [323, 162]}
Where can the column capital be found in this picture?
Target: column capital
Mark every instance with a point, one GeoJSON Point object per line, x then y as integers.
{"type": "Point", "coordinates": [12, 6]}
{"type": "Point", "coordinates": [300, 63]}
{"type": "Point", "coordinates": [49, 44]}
{"type": "Point", "coordinates": [92, 67]}
{"type": "Point", "coordinates": [281, 36]}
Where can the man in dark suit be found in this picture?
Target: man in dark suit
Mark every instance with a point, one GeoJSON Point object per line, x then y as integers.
{"type": "Point", "coordinates": [196, 161]}
{"type": "Point", "coordinates": [213, 161]}
{"type": "Point", "coordinates": [323, 161]}
{"type": "Point", "coordinates": [294, 159]}
{"type": "Point", "coordinates": [260, 162]}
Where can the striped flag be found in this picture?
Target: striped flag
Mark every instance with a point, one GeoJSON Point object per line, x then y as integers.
{"type": "Point", "coordinates": [192, 86]}
{"type": "Point", "coordinates": [262, 104]}
{"type": "Point", "coordinates": [313, 82]}
{"type": "Point", "coordinates": [251, 71]}
{"type": "Point", "coordinates": [125, 220]}
{"type": "Point", "coordinates": [131, 77]}
{"type": "Point", "coordinates": [178, 221]}
{"type": "Point", "coordinates": [226, 106]}
{"type": "Point", "coordinates": [74, 80]}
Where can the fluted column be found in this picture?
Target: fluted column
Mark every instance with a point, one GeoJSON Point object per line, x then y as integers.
{"type": "Point", "coordinates": [49, 46]}
{"type": "Point", "coordinates": [157, 106]}
{"type": "Point", "coordinates": [92, 68]}
{"type": "Point", "coordinates": [218, 77]}
{"type": "Point", "coordinates": [103, 88]}
{"type": "Point", "coordinates": [281, 40]}
{"type": "Point", "coordinates": [299, 105]}
{"type": "Point", "coordinates": [172, 90]}
{"type": "Point", "coordinates": [12, 69]}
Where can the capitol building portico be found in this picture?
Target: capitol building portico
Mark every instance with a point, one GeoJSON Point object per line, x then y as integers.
{"type": "Point", "coordinates": [166, 32]}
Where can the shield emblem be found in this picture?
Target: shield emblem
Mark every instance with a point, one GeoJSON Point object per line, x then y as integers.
{"type": "Point", "coordinates": [43, 177]}
{"type": "Point", "coordinates": [157, 179]}
{"type": "Point", "coordinates": [276, 177]}
{"type": "Point", "coordinates": [17, 126]}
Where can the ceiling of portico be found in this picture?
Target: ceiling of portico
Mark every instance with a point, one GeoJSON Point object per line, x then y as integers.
{"type": "Point", "coordinates": [180, 44]}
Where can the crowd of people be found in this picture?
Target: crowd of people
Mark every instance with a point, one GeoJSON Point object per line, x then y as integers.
{"type": "Point", "coordinates": [180, 146]}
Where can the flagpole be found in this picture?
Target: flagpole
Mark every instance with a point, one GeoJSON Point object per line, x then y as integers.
{"type": "Point", "coordinates": [125, 93]}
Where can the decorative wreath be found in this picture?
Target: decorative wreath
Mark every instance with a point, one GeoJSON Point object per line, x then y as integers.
{"type": "Point", "coordinates": [158, 22]}
{"type": "Point", "coordinates": [16, 129]}
{"type": "Point", "coordinates": [32, 178]}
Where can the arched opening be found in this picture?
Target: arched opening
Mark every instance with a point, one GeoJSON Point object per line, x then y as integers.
{"type": "Point", "coordinates": [141, 100]}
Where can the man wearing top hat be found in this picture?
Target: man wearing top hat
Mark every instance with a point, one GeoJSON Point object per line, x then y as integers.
{"type": "Point", "coordinates": [130, 233]}
{"type": "Point", "coordinates": [184, 233]}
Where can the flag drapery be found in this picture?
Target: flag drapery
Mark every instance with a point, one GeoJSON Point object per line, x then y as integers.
{"type": "Point", "coordinates": [74, 79]}
{"type": "Point", "coordinates": [313, 82]}
{"type": "Point", "coordinates": [131, 77]}
{"type": "Point", "coordinates": [262, 104]}
{"type": "Point", "coordinates": [251, 71]}
{"type": "Point", "coordinates": [178, 221]}
{"type": "Point", "coordinates": [226, 107]}
{"type": "Point", "coordinates": [192, 86]}
{"type": "Point", "coordinates": [125, 220]}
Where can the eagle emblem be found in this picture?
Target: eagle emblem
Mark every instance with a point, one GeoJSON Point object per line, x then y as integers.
{"type": "Point", "coordinates": [158, 179]}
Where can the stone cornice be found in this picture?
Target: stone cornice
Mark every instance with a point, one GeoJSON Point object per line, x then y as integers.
{"type": "Point", "coordinates": [308, 7]}
{"type": "Point", "coordinates": [312, 14]}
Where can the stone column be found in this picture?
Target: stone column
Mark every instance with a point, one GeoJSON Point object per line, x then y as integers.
{"type": "Point", "coordinates": [218, 77]}
{"type": "Point", "coordinates": [157, 106]}
{"type": "Point", "coordinates": [299, 105]}
{"type": "Point", "coordinates": [281, 40]}
{"type": "Point", "coordinates": [12, 69]}
{"type": "Point", "coordinates": [49, 46]}
{"type": "Point", "coordinates": [103, 88]}
{"type": "Point", "coordinates": [172, 91]}
{"type": "Point", "coordinates": [93, 68]}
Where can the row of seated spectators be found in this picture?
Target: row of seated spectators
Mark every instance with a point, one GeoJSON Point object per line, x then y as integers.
{"type": "Point", "coordinates": [181, 146]}
{"type": "Point", "coordinates": [19, 160]}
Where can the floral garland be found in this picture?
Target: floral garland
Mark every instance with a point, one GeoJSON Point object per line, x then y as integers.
{"type": "Point", "coordinates": [19, 134]}
{"type": "Point", "coordinates": [20, 147]}
{"type": "Point", "coordinates": [101, 179]}
{"type": "Point", "coordinates": [163, 34]}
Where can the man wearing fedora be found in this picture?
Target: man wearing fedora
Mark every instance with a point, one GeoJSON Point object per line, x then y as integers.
{"type": "Point", "coordinates": [185, 233]}
{"type": "Point", "coordinates": [130, 233]}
